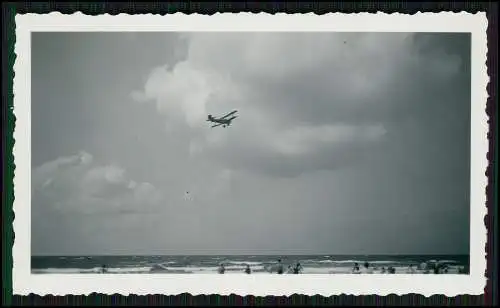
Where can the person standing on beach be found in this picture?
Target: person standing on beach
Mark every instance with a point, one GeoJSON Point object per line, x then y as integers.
{"type": "Point", "coordinates": [247, 269]}
{"type": "Point", "coordinates": [297, 269]}
{"type": "Point", "coordinates": [280, 267]}
{"type": "Point", "coordinates": [437, 268]}
{"type": "Point", "coordinates": [222, 269]}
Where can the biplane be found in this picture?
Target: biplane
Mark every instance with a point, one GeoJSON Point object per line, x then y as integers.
{"type": "Point", "coordinates": [224, 121]}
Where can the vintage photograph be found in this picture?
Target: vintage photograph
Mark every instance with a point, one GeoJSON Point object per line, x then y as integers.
{"type": "Point", "coordinates": [268, 153]}
{"type": "Point", "coordinates": [250, 153]}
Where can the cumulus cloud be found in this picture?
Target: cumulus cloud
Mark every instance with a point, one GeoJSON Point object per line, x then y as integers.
{"type": "Point", "coordinates": [79, 203]}
{"type": "Point", "coordinates": [302, 97]}
{"type": "Point", "coordinates": [77, 184]}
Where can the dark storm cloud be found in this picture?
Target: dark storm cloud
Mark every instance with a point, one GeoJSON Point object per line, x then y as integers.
{"type": "Point", "coordinates": [365, 135]}
{"type": "Point", "coordinates": [378, 82]}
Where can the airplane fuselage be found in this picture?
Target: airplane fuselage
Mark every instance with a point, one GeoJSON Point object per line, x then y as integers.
{"type": "Point", "coordinates": [221, 121]}
{"type": "Point", "coordinates": [224, 121]}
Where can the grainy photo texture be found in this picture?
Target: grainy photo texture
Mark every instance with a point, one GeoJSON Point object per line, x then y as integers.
{"type": "Point", "coordinates": [291, 157]}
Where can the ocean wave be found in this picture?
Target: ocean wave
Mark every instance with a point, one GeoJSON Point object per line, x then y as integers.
{"type": "Point", "coordinates": [448, 261]}
{"type": "Point", "coordinates": [356, 261]}
{"type": "Point", "coordinates": [95, 270]}
{"type": "Point", "coordinates": [244, 263]}
{"type": "Point", "coordinates": [58, 270]}
{"type": "Point", "coordinates": [230, 270]}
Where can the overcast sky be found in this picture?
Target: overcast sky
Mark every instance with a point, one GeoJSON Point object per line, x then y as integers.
{"type": "Point", "coordinates": [344, 144]}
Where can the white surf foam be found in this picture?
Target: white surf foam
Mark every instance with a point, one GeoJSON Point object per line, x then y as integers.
{"type": "Point", "coordinates": [116, 270]}
{"type": "Point", "coordinates": [231, 270]}
{"type": "Point", "coordinates": [360, 262]}
{"type": "Point", "coordinates": [244, 263]}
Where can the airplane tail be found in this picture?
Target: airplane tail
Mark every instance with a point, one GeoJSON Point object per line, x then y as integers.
{"type": "Point", "coordinates": [210, 118]}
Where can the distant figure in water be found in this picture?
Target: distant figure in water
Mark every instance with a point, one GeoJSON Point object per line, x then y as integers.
{"type": "Point", "coordinates": [411, 270]}
{"type": "Point", "coordinates": [391, 270]}
{"type": "Point", "coordinates": [222, 269]}
{"type": "Point", "coordinates": [247, 269]}
{"type": "Point", "coordinates": [356, 267]}
{"type": "Point", "coordinates": [436, 269]}
{"type": "Point", "coordinates": [297, 269]}
{"type": "Point", "coordinates": [367, 268]}
{"type": "Point", "coordinates": [382, 270]}
{"type": "Point", "coordinates": [280, 267]}
{"type": "Point", "coordinates": [103, 269]}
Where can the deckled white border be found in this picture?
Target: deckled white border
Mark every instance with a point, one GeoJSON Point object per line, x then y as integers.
{"type": "Point", "coordinates": [24, 282]}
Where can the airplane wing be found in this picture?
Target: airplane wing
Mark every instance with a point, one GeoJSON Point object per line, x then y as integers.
{"type": "Point", "coordinates": [216, 125]}
{"type": "Point", "coordinates": [232, 118]}
{"type": "Point", "coordinates": [227, 115]}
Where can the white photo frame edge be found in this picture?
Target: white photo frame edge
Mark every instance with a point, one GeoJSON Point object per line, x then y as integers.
{"type": "Point", "coordinates": [259, 285]}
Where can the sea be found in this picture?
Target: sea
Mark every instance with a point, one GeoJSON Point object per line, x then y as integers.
{"type": "Point", "coordinates": [259, 264]}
